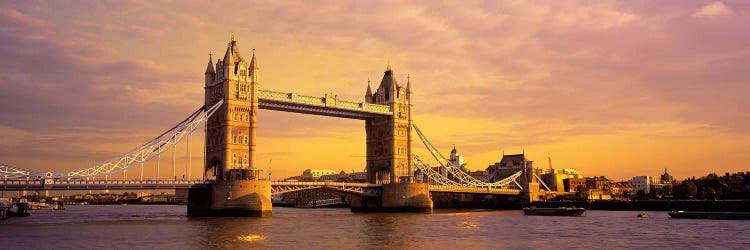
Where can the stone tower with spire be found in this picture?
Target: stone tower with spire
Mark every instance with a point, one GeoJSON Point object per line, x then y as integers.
{"type": "Point", "coordinates": [235, 188]}
{"type": "Point", "coordinates": [230, 132]}
{"type": "Point", "coordinates": [389, 138]}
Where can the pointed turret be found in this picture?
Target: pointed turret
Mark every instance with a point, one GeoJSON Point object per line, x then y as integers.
{"type": "Point", "coordinates": [408, 87]}
{"type": "Point", "coordinates": [210, 67]}
{"type": "Point", "coordinates": [254, 62]}
{"type": "Point", "coordinates": [388, 87]}
{"type": "Point", "coordinates": [231, 59]}
{"type": "Point", "coordinates": [254, 69]}
{"type": "Point", "coordinates": [210, 73]}
{"type": "Point", "coordinates": [368, 94]}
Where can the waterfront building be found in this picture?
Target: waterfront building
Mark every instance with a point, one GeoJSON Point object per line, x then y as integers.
{"type": "Point", "coordinates": [737, 185]}
{"type": "Point", "coordinates": [509, 165]}
{"type": "Point", "coordinates": [643, 183]}
{"type": "Point", "coordinates": [622, 189]}
{"type": "Point", "coordinates": [571, 184]}
{"type": "Point", "coordinates": [598, 182]}
{"type": "Point", "coordinates": [357, 177]}
{"type": "Point", "coordinates": [554, 178]}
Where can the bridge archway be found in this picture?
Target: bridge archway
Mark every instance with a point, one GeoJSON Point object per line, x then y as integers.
{"type": "Point", "coordinates": [382, 176]}
{"type": "Point", "coordinates": [214, 167]}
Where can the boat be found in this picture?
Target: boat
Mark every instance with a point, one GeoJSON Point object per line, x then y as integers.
{"type": "Point", "coordinates": [58, 206]}
{"type": "Point", "coordinates": [560, 211]}
{"type": "Point", "coordinates": [642, 215]}
{"type": "Point", "coordinates": [710, 215]}
{"type": "Point", "coordinates": [38, 205]}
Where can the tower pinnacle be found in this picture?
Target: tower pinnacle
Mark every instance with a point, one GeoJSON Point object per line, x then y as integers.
{"type": "Point", "coordinates": [253, 61]}
{"type": "Point", "coordinates": [210, 67]}
{"type": "Point", "coordinates": [368, 94]}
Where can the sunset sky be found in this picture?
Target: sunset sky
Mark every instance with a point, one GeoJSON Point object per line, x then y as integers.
{"type": "Point", "coordinates": [614, 88]}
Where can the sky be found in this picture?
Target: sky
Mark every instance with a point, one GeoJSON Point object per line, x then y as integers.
{"type": "Point", "coordinates": [613, 88]}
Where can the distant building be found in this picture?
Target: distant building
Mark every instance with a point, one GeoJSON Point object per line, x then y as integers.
{"type": "Point", "coordinates": [598, 183]}
{"type": "Point", "coordinates": [329, 177]}
{"type": "Point", "coordinates": [554, 178]}
{"type": "Point", "coordinates": [479, 174]}
{"type": "Point", "coordinates": [293, 178]}
{"type": "Point", "coordinates": [357, 177]}
{"type": "Point", "coordinates": [457, 160]}
{"type": "Point", "coordinates": [571, 184]}
{"type": "Point", "coordinates": [511, 164]}
{"type": "Point", "coordinates": [643, 183]}
{"type": "Point", "coordinates": [666, 178]}
{"type": "Point", "coordinates": [315, 174]}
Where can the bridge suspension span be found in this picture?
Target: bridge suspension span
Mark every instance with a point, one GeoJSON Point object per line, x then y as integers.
{"type": "Point", "coordinates": [141, 154]}
{"type": "Point", "coordinates": [460, 177]}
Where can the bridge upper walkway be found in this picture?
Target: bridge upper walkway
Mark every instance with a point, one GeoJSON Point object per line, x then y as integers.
{"type": "Point", "coordinates": [328, 105]}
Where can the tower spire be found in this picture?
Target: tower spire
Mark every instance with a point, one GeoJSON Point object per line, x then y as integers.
{"type": "Point", "coordinates": [368, 94]}
{"type": "Point", "coordinates": [408, 85]}
{"type": "Point", "coordinates": [253, 61]}
{"type": "Point", "coordinates": [210, 67]}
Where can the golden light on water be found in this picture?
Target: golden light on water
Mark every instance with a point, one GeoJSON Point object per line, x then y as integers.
{"type": "Point", "coordinates": [250, 237]}
{"type": "Point", "coordinates": [468, 225]}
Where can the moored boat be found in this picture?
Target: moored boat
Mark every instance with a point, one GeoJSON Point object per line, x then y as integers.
{"type": "Point", "coordinates": [710, 215]}
{"type": "Point", "coordinates": [560, 211]}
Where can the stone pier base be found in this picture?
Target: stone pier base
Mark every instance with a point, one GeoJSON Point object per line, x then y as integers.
{"type": "Point", "coordinates": [396, 197]}
{"type": "Point", "coordinates": [239, 198]}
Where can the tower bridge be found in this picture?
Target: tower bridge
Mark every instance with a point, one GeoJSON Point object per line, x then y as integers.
{"type": "Point", "coordinates": [231, 184]}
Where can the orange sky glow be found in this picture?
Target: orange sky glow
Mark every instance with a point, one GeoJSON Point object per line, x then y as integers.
{"type": "Point", "coordinates": [613, 88]}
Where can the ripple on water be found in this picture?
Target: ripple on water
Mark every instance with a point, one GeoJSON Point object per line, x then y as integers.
{"type": "Point", "coordinates": [167, 227]}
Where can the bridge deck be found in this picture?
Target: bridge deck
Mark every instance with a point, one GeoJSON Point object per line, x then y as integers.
{"type": "Point", "coordinates": [276, 186]}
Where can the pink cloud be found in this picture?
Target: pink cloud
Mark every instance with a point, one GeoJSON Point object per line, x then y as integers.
{"type": "Point", "coordinates": [713, 9]}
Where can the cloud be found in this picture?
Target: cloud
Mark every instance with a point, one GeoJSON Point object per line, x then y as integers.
{"type": "Point", "coordinates": [713, 9]}
{"type": "Point", "coordinates": [538, 73]}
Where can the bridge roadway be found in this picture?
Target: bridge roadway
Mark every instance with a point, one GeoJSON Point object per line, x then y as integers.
{"type": "Point", "coordinates": [277, 187]}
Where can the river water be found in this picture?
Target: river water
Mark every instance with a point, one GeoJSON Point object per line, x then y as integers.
{"type": "Point", "coordinates": [167, 227]}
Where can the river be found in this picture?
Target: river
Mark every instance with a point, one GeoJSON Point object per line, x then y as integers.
{"type": "Point", "coordinates": [167, 227]}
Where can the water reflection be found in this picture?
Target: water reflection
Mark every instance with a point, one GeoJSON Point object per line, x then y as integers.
{"type": "Point", "coordinates": [166, 227]}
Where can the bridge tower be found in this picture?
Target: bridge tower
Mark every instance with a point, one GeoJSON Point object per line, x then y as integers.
{"type": "Point", "coordinates": [236, 188]}
{"type": "Point", "coordinates": [389, 153]}
{"type": "Point", "coordinates": [389, 137]}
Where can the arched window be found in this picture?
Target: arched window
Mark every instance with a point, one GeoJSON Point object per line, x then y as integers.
{"type": "Point", "coordinates": [246, 140]}
{"type": "Point", "coordinates": [234, 159]}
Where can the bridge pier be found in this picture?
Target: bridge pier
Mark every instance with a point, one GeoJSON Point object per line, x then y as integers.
{"type": "Point", "coordinates": [396, 197]}
{"type": "Point", "coordinates": [248, 198]}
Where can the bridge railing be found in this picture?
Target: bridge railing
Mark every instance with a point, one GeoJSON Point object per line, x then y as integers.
{"type": "Point", "coordinates": [323, 183]}
{"type": "Point", "coordinates": [99, 183]}
{"type": "Point", "coordinates": [471, 189]}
